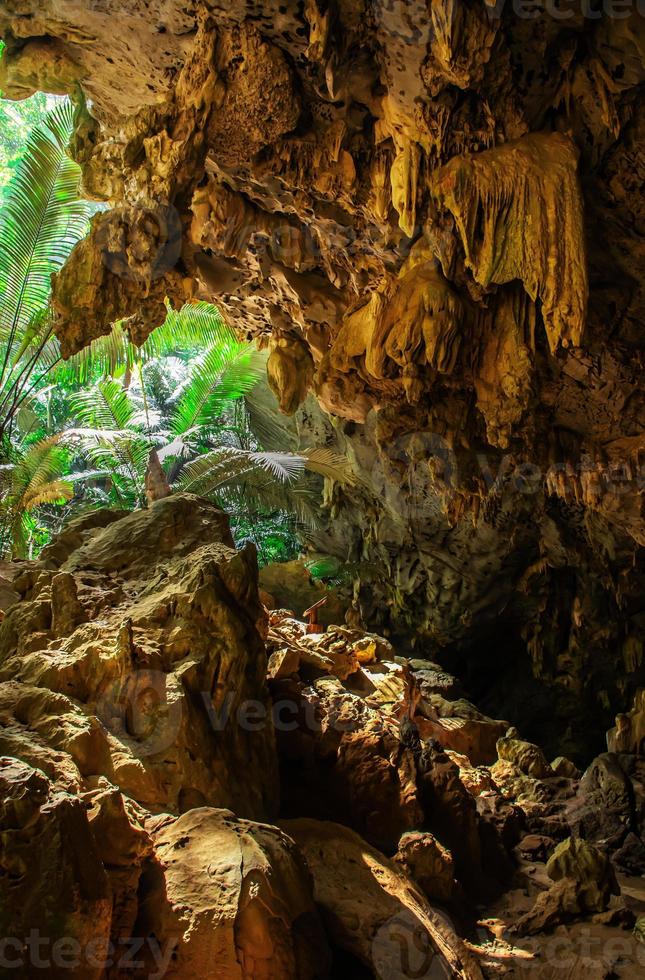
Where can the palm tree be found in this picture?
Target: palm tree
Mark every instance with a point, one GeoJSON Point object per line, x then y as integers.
{"type": "Point", "coordinates": [200, 433]}
{"type": "Point", "coordinates": [36, 474]}
{"type": "Point", "coordinates": [195, 417]}
{"type": "Point", "coordinates": [42, 218]}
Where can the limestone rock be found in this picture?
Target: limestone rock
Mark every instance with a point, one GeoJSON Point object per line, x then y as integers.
{"type": "Point", "coordinates": [292, 587]}
{"type": "Point", "coordinates": [586, 864]}
{"type": "Point", "coordinates": [606, 801]}
{"type": "Point", "coordinates": [124, 846]}
{"type": "Point", "coordinates": [372, 909]}
{"type": "Point", "coordinates": [8, 571]}
{"type": "Point", "coordinates": [52, 878]}
{"type": "Point", "coordinates": [428, 863]}
{"type": "Point", "coordinates": [290, 371]}
{"type": "Point", "coordinates": [562, 766]}
{"type": "Point", "coordinates": [459, 726]}
{"type": "Point", "coordinates": [629, 732]}
{"type": "Point", "coordinates": [342, 762]}
{"type": "Point", "coordinates": [165, 656]}
{"type": "Point", "coordinates": [639, 929]}
{"type": "Point", "coordinates": [123, 269]}
{"type": "Point", "coordinates": [528, 758]}
{"type": "Point", "coordinates": [233, 898]}
{"type": "Point", "coordinates": [630, 856]}
{"type": "Point", "coordinates": [430, 216]}
{"type": "Point", "coordinates": [584, 883]}
{"type": "Point", "coordinates": [525, 235]}
{"type": "Point", "coordinates": [156, 482]}
{"type": "Point", "coordinates": [535, 847]}
{"type": "Point", "coordinates": [283, 663]}
{"type": "Point", "coordinates": [353, 750]}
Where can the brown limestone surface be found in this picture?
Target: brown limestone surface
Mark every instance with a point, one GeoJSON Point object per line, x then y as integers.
{"type": "Point", "coordinates": [134, 702]}
{"type": "Point", "coordinates": [567, 853]}
{"type": "Point", "coordinates": [235, 898]}
{"type": "Point", "coordinates": [431, 214]}
{"type": "Point", "coordinates": [134, 640]}
{"type": "Point", "coordinates": [378, 909]}
{"type": "Point", "coordinates": [93, 877]}
{"type": "Point", "coordinates": [134, 711]}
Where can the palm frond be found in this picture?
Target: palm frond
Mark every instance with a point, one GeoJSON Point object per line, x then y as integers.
{"type": "Point", "coordinates": [225, 373]}
{"type": "Point", "coordinates": [255, 495]}
{"type": "Point", "coordinates": [42, 219]}
{"type": "Point", "coordinates": [285, 467]}
{"type": "Point", "coordinates": [214, 470]}
{"type": "Point", "coordinates": [332, 465]}
{"type": "Point", "coordinates": [55, 492]}
{"type": "Point", "coordinates": [106, 405]}
{"type": "Point", "coordinates": [196, 326]}
{"type": "Point", "coordinates": [35, 475]}
{"type": "Point", "coordinates": [111, 439]}
{"type": "Point", "coordinates": [272, 429]}
{"type": "Point", "coordinates": [104, 357]}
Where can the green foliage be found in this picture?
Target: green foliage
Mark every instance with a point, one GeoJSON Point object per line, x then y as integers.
{"type": "Point", "coordinates": [41, 220]}
{"type": "Point", "coordinates": [113, 441]}
{"type": "Point", "coordinates": [17, 119]}
{"type": "Point", "coordinates": [201, 433]}
{"type": "Point", "coordinates": [334, 571]}
{"type": "Point", "coordinates": [192, 329]}
{"type": "Point", "coordinates": [79, 433]}
{"type": "Point", "coordinates": [34, 474]}
{"type": "Point", "coordinates": [225, 372]}
{"type": "Point", "coordinates": [272, 532]}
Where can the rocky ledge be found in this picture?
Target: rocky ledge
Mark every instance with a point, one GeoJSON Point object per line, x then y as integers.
{"type": "Point", "coordinates": [192, 784]}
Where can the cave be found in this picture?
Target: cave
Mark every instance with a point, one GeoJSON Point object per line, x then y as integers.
{"type": "Point", "coordinates": [426, 219]}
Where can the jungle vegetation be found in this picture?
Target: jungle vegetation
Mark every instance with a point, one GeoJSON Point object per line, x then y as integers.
{"type": "Point", "coordinates": [116, 425]}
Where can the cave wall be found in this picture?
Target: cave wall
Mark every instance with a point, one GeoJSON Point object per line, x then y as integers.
{"type": "Point", "coordinates": [429, 212]}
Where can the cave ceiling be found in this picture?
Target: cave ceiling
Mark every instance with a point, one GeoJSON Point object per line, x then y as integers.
{"type": "Point", "coordinates": [431, 214]}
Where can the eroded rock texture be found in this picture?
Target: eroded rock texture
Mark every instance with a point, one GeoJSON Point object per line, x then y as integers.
{"type": "Point", "coordinates": [430, 212]}
{"type": "Point", "coordinates": [138, 765]}
{"type": "Point", "coordinates": [133, 639]}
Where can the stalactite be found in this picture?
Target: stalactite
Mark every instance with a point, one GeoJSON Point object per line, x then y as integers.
{"type": "Point", "coordinates": [518, 211]}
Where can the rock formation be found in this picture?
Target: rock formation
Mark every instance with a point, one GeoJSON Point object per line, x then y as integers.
{"type": "Point", "coordinates": [350, 817]}
{"type": "Point", "coordinates": [146, 630]}
{"type": "Point", "coordinates": [138, 755]}
{"type": "Point", "coordinates": [428, 212]}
